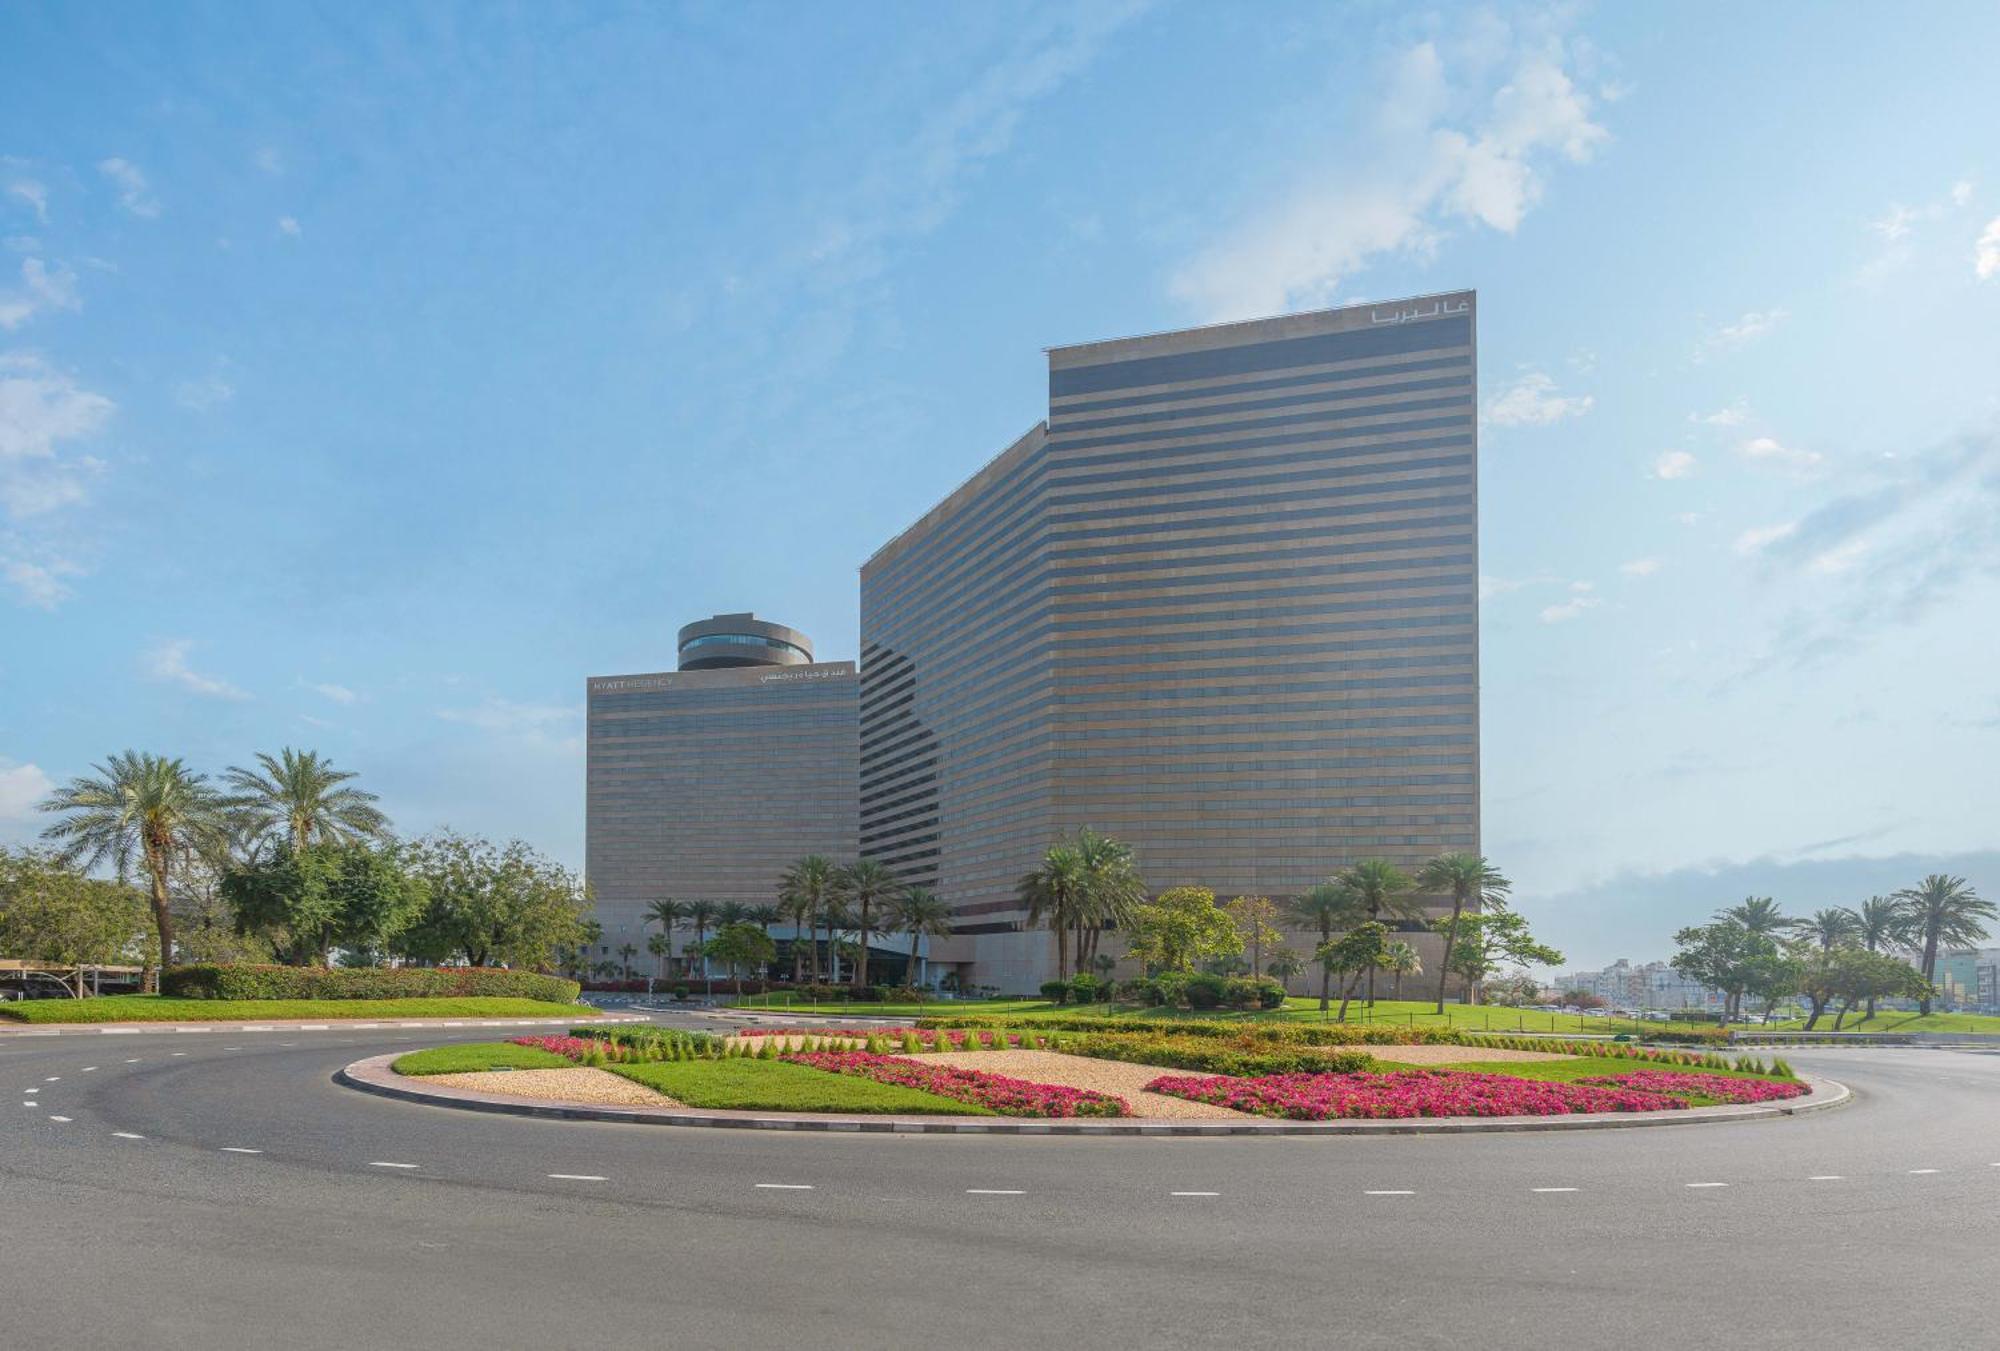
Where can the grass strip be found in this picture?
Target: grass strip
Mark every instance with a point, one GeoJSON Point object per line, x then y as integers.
{"type": "Point", "coordinates": [777, 1086]}
{"type": "Point", "coordinates": [481, 1055]}
{"type": "Point", "coordinates": [152, 1008]}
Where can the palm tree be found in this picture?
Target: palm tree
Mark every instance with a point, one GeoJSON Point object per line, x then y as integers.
{"type": "Point", "coordinates": [1054, 894]}
{"type": "Point", "coordinates": [804, 890]}
{"type": "Point", "coordinates": [1828, 928]}
{"type": "Point", "coordinates": [919, 911]}
{"type": "Point", "coordinates": [731, 912]}
{"type": "Point", "coordinates": [1330, 905]}
{"type": "Point", "coordinates": [1381, 888]}
{"type": "Point", "coordinates": [834, 914]}
{"type": "Point", "coordinates": [145, 806]}
{"type": "Point", "coordinates": [1879, 926]}
{"type": "Point", "coordinates": [626, 953]}
{"type": "Point", "coordinates": [1943, 912]}
{"type": "Point", "coordinates": [1283, 963]}
{"type": "Point", "coordinates": [668, 914]}
{"type": "Point", "coordinates": [1400, 959]}
{"type": "Point", "coordinates": [864, 886]}
{"type": "Point", "coordinates": [1468, 878]}
{"type": "Point", "coordinates": [1758, 914]}
{"type": "Point", "coordinates": [763, 916]}
{"type": "Point", "coordinates": [1112, 890]}
{"type": "Point", "coordinates": [299, 796]}
{"type": "Point", "coordinates": [700, 915]}
{"type": "Point", "coordinates": [661, 945]}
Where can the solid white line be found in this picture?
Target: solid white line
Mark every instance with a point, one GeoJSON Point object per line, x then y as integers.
{"type": "Point", "coordinates": [991, 1191]}
{"type": "Point", "coordinates": [1923, 1170]}
{"type": "Point", "coordinates": [377, 1163]}
{"type": "Point", "coordinates": [126, 1135]}
{"type": "Point", "coordinates": [59, 1118]}
{"type": "Point", "coordinates": [578, 1177]}
{"type": "Point", "coordinates": [1194, 1193]}
{"type": "Point", "coordinates": [1552, 1189]}
{"type": "Point", "coordinates": [1388, 1193]}
{"type": "Point", "coordinates": [784, 1186]}
{"type": "Point", "coordinates": [239, 1149]}
{"type": "Point", "coordinates": [1708, 1184]}
{"type": "Point", "coordinates": [1826, 1177]}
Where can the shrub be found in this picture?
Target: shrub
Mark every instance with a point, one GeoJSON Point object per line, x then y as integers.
{"type": "Point", "coordinates": [680, 992]}
{"type": "Point", "coordinates": [1244, 1057]}
{"type": "Point", "coordinates": [1300, 1034]}
{"type": "Point", "coordinates": [1056, 991]}
{"type": "Point", "coordinates": [211, 981]}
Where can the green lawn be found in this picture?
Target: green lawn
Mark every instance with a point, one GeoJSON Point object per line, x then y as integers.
{"type": "Point", "coordinates": [477, 1056]}
{"type": "Point", "coordinates": [776, 1086]}
{"type": "Point", "coordinates": [152, 1008]}
{"type": "Point", "coordinates": [1889, 1021]}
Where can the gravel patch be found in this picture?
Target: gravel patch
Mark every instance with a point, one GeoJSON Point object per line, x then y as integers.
{"type": "Point", "coordinates": [580, 1083]}
{"type": "Point", "coordinates": [1074, 1071]}
{"type": "Point", "coordinates": [1455, 1055]}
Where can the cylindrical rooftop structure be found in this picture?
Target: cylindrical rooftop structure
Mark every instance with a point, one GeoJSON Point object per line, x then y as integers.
{"type": "Point", "coordinates": [741, 640]}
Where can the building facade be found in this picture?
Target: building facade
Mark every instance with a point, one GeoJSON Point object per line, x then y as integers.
{"type": "Point", "coordinates": [1648, 985]}
{"type": "Point", "coordinates": [706, 782]}
{"type": "Point", "coordinates": [1221, 605]}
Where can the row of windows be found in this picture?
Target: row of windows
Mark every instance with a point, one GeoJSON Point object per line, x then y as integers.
{"type": "Point", "coordinates": [1312, 390]}
{"type": "Point", "coordinates": [1063, 412]}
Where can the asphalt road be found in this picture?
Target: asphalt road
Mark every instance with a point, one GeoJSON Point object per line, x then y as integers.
{"type": "Point", "coordinates": [218, 1190]}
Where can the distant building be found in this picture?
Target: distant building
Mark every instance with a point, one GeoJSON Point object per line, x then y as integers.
{"type": "Point", "coordinates": [1655, 985]}
{"type": "Point", "coordinates": [706, 782]}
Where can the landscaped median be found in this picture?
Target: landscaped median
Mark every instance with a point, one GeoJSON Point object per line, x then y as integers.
{"type": "Point", "coordinates": [1269, 1078]}
{"type": "Point", "coordinates": [256, 993]}
{"type": "Point", "coordinates": [146, 1008]}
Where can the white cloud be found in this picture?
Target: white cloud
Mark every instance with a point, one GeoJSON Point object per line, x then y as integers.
{"type": "Point", "coordinates": [1895, 224]}
{"type": "Point", "coordinates": [340, 694]}
{"type": "Point", "coordinates": [1769, 450]}
{"type": "Point", "coordinates": [1532, 401]}
{"type": "Point", "coordinates": [22, 788]}
{"type": "Point", "coordinates": [211, 391]}
{"type": "Point", "coordinates": [34, 194]}
{"type": "Point", "coordinates": [1689, 518]}
{"type": "Point", "coordinates": [508, 718]}
{"type": "Point", "coordinates": [1422, 176]}
{"type": "Point", "coordinates": [1573, 608]}
{"type": "Point", "coordinates": [268, 160]}
{"type": "Point", "coordinates": [1986, 253]}
{"type": "Point", "coordinates": [1674, 464]}
{"type": "Point", "coordinates": [289, 225]}
{"type": "Point", "coordinates": [1753, 325]}
{"type": "Point", "coordinates": [42, 289]}
{"type": "Point", "coordinates": [1733, 416]}
{"type": "Point", "coordinates": [41, 409]}
{"type": "Point", "coordinates": [1961, 192]}
{"type": "Point", "coordinates": [133, 194]}
{"type": "Point", "coordinates": [1640, 567]}
{"type": "Point", "coordinates": [1758, 538]}
{"type": "Point", "coordinates": [168, 661]}
{"type": "Point", "coordinates": [38, 584]}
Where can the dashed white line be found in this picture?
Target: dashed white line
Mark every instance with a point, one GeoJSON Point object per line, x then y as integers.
{"type": "Point", "coordinates": [126, 1135]}
{"type": "Point", "coordinates": [377, 1163]}
{"type": "Point", "coordinates": [52, 1078]}
{"type": "Point", "coordinates": [177, 1053]}
{"type": "Point", "coordinates": [578, 1177]}
{"type": "Point", "coordinates": [58, 1118]}
{"type": "Point", "coordinates": [88, 1068]}
{"type": "Point", "coordinates": [1553, 1189]}
{"type": "Point", "coordinates": [784, 1186]}
{"type": "Point", "coordinates": [1918, 1172]}
{"type": "Point", "coordinates": [133, 1061]}
{"type": "Point", "coordinates": [992, 1191]}
{"type": "Point", "coordinates": [239, 1149]}
{"type": "Point", "coordinates": [30, 1102]}
{"type": "Point", "coordinates": [31, 1090]}
{"type": "Point", "coordinates": [1826, 1177]}
{"type": "Point", "coordinates": [1708, 1184]}
{"type": "Point", "coordinates": [1194, 1193]}
{"type": "Point", "coordinates": [1389, 1193]}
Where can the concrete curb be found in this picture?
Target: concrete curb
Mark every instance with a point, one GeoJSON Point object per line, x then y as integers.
{"type": "Point", "coordinates": [326, 1025]}
{"type": "Point", "coordinates": [373, 1075]}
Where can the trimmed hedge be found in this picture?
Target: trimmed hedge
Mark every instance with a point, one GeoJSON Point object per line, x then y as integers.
{"type": "Point", "coordinates": [1246, 1057]}
{"type": "Point", "coordinates": [1276, 1034]}
{"type": "Point", "coordinates": [379, 982]}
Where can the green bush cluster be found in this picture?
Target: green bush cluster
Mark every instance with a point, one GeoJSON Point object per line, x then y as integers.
{"type": "Point", "coordinates": [1079, 989]}
{"type": "Point", "coordinates": [652, 1039]}
{"type": "Point", "coordinates": [1277, 1034]}
{"type": "Point", "coordinates": [1202, 990]}
{"type": "Point", "coordinates": [1246, 1056]}
{"type": "Point", "coordinates": [211, 981]}
{"type": "Point", "coordinates": [841, 994]}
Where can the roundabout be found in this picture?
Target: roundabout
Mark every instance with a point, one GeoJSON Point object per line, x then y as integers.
{"type": "Point", "coordinates": [168, 1175]}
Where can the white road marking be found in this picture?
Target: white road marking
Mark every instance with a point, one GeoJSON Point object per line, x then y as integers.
{"type": "Point", "coordinates": [1194, 1193]}
{"type": "Point", "coordinates": [1388, 1193]}
{"type": "Point", "coordinates": [30, 1103]}
{"type": "Point", "coordinates": [1708, 1184]}
{"type": "Point", "coordinates": [88, 1068]}
{"type": "Point", "coordinates": [177, 1053]}
{"type": "Point", "coordinates": [1921, 1171]}
{"type": "Point", "coordinates": [578, 1177]}
{"type": "Point", "coordinates": [785, 1186]}
{"type": "Point", "coordinates": [31, 1090]}
{"type": "Point", "coordinates": [133, 1061]}
{"type": "Point", "coordinates": [1553, 1189]}
{"type": "Point", "coordinates": [232, 1048]}
{"type": "Point", "coordinates": [1826, 1177]}
{"type": "Point", "coordinates": [377, 1163]}
{"type": "Point", "coordinates": [992, 1191]}
{"type": "Point", "coordinates": [58, 1118]}
{"type": "Point", "coordinates": [312, 1027]}
{"type": "Point", "coordinates": [239, 1149]}
{"type": "Point", "coordinates": [126, 1135]}
{"type": "Point", "coordinates": [52, 1078]}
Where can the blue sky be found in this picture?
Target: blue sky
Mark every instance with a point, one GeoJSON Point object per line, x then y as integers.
{"type": "Point", "coordinates": [371, 375]}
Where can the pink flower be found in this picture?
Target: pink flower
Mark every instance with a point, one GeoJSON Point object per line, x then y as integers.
{"type": "Point", "coordinates": [996, 1092]}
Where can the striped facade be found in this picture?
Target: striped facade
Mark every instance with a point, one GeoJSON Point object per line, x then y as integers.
{"type": "Point", "coordinates": [706, 784]}
{"type": "Point", "coordinates": [1221, 606]}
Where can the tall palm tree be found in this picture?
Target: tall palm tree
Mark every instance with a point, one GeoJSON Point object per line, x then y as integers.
{"type": "Point", "coordinates": [804, 889]}
{"type": "Point", "coordinates": [1382, 889]}
{"type": "Point", "coordinates": [731, 912]}
{"type": "Point", "coordinates": [1943, 912]}
{"type": "Point", "coordinates": [1400, 959]}
{"type": "Point", "coordinates": [920, 913]}
{"type": "Point", "coordinates": [763, 916]}
{"type": "Point", "coordinates": [1879, 926]}
{"type": "Point", "coordinates": [865, 887]}
{"type": "Point", "coordinates": [1054, 895]}
{"type": "Point", "coordinates": [661, 945]}
{"type": "Point", "coordinates": [1329, 906]}
{"type": "Point", "coordinates": [626, 953]}
{"type": "Point", "coordinates": [1112, 890]}
{"type": "Point", "coordinates": [301, 798]}
{"type": "Point", "coordinates": [700, 916]}
{"type": "Point", "coordinates": [1758, 914]}
{"type": "Point", "coordinates": [833, 913]}
{"type": "Point", "coordinates": [1828, 928]}
{"type": "Point", "coordinates": [1466, 878]}
{"type": "Point", "coordinates": [145, 807]}
{"type": "Point", "coordinates": [668, 914]}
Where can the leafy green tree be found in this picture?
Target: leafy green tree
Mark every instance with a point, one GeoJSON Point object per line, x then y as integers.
{"type": "Point", "coordinates": [494, 904]}
{"type": "Point", "coordinates": [1283, 963]}
{"type": "Point", "coordinates": [1942, 913]}
{"type": "Point", "coordinates": [143, 808]}
{"type": "Point", "coordinates": [920, 913]}
{"type": "Point", "coordinates": [1255, 917]}
{"type": "Point", "coordinates": [806, 888]}
{"type": "Point", "coordinates": [306, 902]}
{"type": "Point", "coordinates": [300, 799]}
{"type": "Point", "coordinates": [1361, 949]}
{"type": "Point", "coordinates": [1870, 976]}
{"type": "Point", "coordinates": [866, 887]}
{"type": "Point", "coordinates": [1328, 907]}
{"type": "Point", "coordinates": [51, 912]}
{"type": "Point", "coordinates": [1725, 955]}
{"type": "Point", "coordinates": [1492, 939]}
{"type": "Point", "coordinates": [1467, 879]}
{"type": "Point", "coordinates": [1182, 928]}
{"type": "Point", "coordinates": [1382, 889]}
{"type": "Point", "coordinates": [1513, 990]}
{"type": "Point", "coordinates": [739, 945]}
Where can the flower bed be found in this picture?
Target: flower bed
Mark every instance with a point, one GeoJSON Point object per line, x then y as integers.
{"type": "Point", "coordinates": [1244, 1057]}
{"type": "Point", "coordinates": [1714, 1087]}
{"type": "Point", "coordinates": [995, 1092]}
{"type": "Point", "coordinates": [1412, 1093]}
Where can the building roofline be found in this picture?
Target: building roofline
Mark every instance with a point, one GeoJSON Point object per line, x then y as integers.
{"type": "Point", "coordinates": [1262, 319]}
{"type": "Point", "coordinates": [952, 499]}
